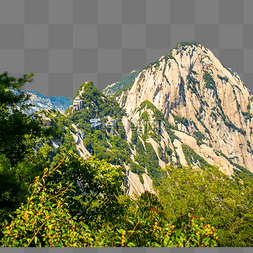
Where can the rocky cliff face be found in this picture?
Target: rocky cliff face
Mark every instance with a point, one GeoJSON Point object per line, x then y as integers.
{"type": "Point", "coordinates": [174, 146]}
{"type": "Point", "coordinates": [206, 100]}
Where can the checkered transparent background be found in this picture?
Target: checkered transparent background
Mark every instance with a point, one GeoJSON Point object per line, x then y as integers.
{"type": "Point", "coordinates": [68, 42]}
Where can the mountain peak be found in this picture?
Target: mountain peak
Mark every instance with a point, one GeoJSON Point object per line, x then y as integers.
{"type": "Point", "coordinates": [187, 44]}
{"type": "Point", "coordinates": [192, 84]}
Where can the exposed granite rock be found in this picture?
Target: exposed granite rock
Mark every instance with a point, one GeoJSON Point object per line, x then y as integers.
{"type": "Point", "coordinates": [193, 84]}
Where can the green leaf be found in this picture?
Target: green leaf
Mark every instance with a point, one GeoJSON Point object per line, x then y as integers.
{"type": "Point", "coordinates": [178, 232]}
{"type": "Point", "coordinates": [131, 244]}
{"type": "Point", "coordinates": [206, 240]}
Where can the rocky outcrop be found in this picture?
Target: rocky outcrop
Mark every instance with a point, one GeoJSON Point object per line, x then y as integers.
{"type": "Point", "coordinates": [127, 127]}
{"type": "Point", "coordinates": [83, 152]}
{"type": "Point", "coordinates": [204, 151]}
{"type": "Point", "coordinates": [132, 185]}
{"type": "Point", "coordinates": [46, 121]}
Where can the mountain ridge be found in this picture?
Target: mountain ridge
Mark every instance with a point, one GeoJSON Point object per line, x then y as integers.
{"type": "Point", "coordinates": [40, 102]}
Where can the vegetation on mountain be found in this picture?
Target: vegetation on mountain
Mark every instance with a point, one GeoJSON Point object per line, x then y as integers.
{"type": "Point", "coordinates": [210, 194]}
{"type": "Point", "coordinates": [182, 90]}
{"type": "Point", "coordinates": [118, 93]}
{"type": "Point", "coordinates": [45, 144]}
{"type": "Point", "coordinates": [241, 171]}
{"type": "Point", "coordinates": [180, 46]}
{"type": "Point", "coordinates": [193, 158]}
{"type": "Point", "coordinates": [186, 44]}
{"type": "Point", "coordinates": [192, 82]}
{"type": "Point", "coordinates": [144, 117]}
{"type": "Point", "coordinates": [181, 120]}
{"type": "Point", "coordinates": [155, 64]}
{"type": "Point", "coordinates": [134, 134]}
{"type": "Point", "coordinates": [223, 78]}
{"type": "Point", "coordinates": [209, 82]}
{"type": "Point", "coordinates": [158, 115]}
{"type": "Point", "coordinates": [199, 137]}
{"type": "Point", "coordinates": [121, 86]}
{"type": "Point", "coordinates": [232, 126]}
{"type": "Point", "coordinates": [95, 140]}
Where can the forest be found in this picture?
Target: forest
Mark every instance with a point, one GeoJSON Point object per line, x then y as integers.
{"type": "Point", "coordinates": [54, 198]}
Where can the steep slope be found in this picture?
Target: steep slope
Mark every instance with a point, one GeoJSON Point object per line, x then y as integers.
{"type": "Point", "coordinates": [107, 141]}
{"type": "Point", "coordinates": [158, 143]}
{"type": "Point", "coordinates": [196, 93]}
{"type": "Point", "coordinates": [112, 89]}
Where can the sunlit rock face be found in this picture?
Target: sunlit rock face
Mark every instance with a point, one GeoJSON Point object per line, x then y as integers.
{"type": "Point", "coordinates": [192, 83]}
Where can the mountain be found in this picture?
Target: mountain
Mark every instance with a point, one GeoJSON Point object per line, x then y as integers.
{"type": "Point", "coordinates": [199, 96]}
{"type": "Point", "coordinates": [41, 102]}
{"type": "Point", "coordinates": [185, 109]}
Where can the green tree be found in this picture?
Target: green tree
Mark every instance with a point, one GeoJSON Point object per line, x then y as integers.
{"type": "Point", "coordinates": [17, 130]}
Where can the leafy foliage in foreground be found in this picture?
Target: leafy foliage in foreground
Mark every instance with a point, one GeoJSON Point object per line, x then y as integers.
{"type": "Point", "coordinates": [57, 215]}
